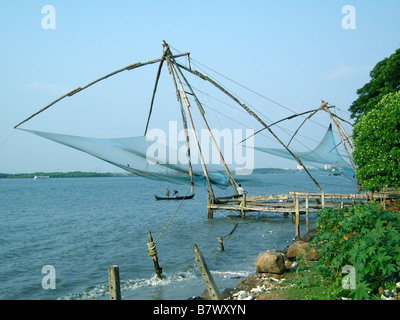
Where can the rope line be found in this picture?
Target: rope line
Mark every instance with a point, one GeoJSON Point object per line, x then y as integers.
{"type": "Point", "coordinates": [176, 211]}
{"type": "Point", "coordinates": [151, 246]}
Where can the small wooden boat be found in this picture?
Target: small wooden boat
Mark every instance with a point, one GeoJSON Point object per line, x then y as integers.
{"type": "Point", "coordinates": [175, 198]}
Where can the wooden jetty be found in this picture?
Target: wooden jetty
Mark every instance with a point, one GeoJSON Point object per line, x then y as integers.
{"type": "Point", "coordinates": [295, 203]}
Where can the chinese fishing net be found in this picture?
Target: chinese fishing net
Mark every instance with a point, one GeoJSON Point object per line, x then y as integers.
{"type": "Point", "coordinates": [150, 159]}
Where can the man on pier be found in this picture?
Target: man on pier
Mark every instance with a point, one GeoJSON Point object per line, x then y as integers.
{"type": "Point", "coordinates": [241, 190]}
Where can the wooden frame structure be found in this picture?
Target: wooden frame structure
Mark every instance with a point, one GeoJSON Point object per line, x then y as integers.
{"type": "Point", "coordinates": [176, 69]}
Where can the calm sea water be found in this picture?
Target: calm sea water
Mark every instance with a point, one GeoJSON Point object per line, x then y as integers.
{"type": "Point", "coordinates": [81, 226]}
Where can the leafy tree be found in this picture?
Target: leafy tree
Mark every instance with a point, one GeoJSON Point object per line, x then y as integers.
{"type": "Point", "coordinates": [385, 78]}
{"type": "Point", "coordinates": [377, 145]}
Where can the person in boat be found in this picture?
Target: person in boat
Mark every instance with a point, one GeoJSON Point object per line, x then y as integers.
{"type": "Point", "coordinates": [167, 193]}
{"type": "Point", "coordinates": [240, 190]}
{"type": "Point", "coordinates": [176, 193]}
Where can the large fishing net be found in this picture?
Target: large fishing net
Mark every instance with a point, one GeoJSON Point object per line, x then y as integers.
{"type": "Point", "coordinates": [142, 157]}
{"type": "Point", "coordinates": [325, 156]}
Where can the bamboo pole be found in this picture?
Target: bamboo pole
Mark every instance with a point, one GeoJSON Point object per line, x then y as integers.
{"type": "Point", "coordinates": [308, 117]}
{"type": "Point", "coordinates": [201, 109]}
{"type": "Point", "coordinates": [183, 114]}
{"type": "Point", "coordinates": [200, 75]}
{"type": "Point", "coordinates": [276, 122]}
{"type": "Point", "coordinates": [187, 105]}
{"type": "Point", "coordinates": [71, 93]}
{"type": "Point", "coordinates": [154, 90]}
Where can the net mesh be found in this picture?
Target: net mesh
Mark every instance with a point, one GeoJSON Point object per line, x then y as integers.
{"type": "Point", "coordinates": [132, 154]}
{"type": "Point", "coordinates": [324, 156]}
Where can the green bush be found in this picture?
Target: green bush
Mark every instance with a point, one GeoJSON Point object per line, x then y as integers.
{"type": "Point", "coordinates": [377, 145]}
{"type": "Point", "coordinates": [365, 237]}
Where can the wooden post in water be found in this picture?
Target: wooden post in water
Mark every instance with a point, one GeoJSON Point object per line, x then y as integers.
{"type": "Point", "coordinates": [205, 273]}
{"type": "Point", "coordinates": [113, 283]}
{"type": "Point", "coordinates": [307, 214]}
{"type": "Point", "coordinates": [297, 218]}
{"type": "Point", "coordinates": [243, 205]}
{"type": "Point", "coordinates": [221, 243]}
{"type": "Point", "coordinates": [210, 212]}
{"type": "Point", "coordinates": [153, 254]}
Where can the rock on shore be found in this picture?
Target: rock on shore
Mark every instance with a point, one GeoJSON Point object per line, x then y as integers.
{"type": "Point", "coordinates": [270, 270]}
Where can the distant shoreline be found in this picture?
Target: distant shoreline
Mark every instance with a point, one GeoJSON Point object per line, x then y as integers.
{"type": "Point", "coordinates": [80, 174]}
{"type": "Point", "coordinates": [73, 174]}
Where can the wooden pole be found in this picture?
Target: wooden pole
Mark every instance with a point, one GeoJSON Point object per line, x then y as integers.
{"type": "Point", "coordinates": [307, 214]}
{"type": "Point", "coordinates": [297, 218]}
{"type": "Point", "coordinates": [203, 165]}
{"type": "Point", "coordinates": [205, 273]}
{"type": "Point", "coordinates": [71, 93]}
{"type": "Point", "coordinates": [184, 121]}
{"type": "Point", "coordinates": [221, 243]}
{"type": "Point", "coordinates": [308, 117]}
{"type": "Point", "coordinates": [210, 211]}
{"type": "Point", "coordinates": [114, 283]}
{"type": "Point", "coordinates": [243, 205]}
{"type": "Point", "coordinates": [201, 109]}
{"type": "Point", "coordinates": [153, 254]}
{"type": "Point", "coordinates": [202, 76]}
{"type": "Point", "coordinates": [154, 91]}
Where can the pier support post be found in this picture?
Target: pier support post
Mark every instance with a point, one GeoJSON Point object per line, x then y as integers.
{"type": "Point", "coordinates": [114, 283]}
{"type": "Point", "coordinates": [307, 214]}
{"type": "Point", "coordinates": [297, 218]}
{"type": "Point", "coordinates": [205, 273]}
{"type": "Point", "coordinates": [210, 212]}
{"type": "Point", "coordinates": [221, 243]}
{"type": "Point", "coordinates": [153, 254]}
{"type": "Point", "coordinates": [243, 206]}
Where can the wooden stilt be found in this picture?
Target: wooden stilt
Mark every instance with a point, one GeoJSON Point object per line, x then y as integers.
{"type": "Point", "coordinates": [307, 215]}
{"type": "Point", "coordinates": [205, 273]}
{"type": "Point", "coordinates": [221, 243]}
{"type": "Point", "coordinates": [114, 283]}
{"type": "Point", "coordinates": [297, 218]}
{"type": "Point", "coordinates": [243, 206]}
{"type": "Point", "coordinates": [153, 254]}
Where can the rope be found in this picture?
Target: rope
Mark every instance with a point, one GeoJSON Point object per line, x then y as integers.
{"type": "Point", "coordinates": [234, 228]}
{"type": "Point", "coordinates": [6, 138]}
{"type": "Point", "coordinates": [176, 211]}
{"type": "Point", "coordinates": [151, 246]}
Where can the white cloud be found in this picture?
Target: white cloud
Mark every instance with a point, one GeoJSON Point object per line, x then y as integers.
{"type": "Point", "coordinates": [343, 71]}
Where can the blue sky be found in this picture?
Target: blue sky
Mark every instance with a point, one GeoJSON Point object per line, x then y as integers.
{"type": "Point", "coordinates": [293, 52]}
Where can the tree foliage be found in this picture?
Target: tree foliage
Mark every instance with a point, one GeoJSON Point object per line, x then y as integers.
{"type": "Point", "coordinates": [385, 78]}
{"type": "Point", "coordinates": [377, 145]}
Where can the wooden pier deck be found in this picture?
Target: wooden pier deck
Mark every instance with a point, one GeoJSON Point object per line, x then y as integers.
{"type": "Point", "coordinates": [295, 203]}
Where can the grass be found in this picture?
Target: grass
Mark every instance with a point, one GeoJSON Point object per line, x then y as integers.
{"type": "Point", "coordinates": [302, 285]}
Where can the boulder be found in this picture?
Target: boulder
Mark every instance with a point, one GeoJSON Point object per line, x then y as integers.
{"type": "Point", "coordinates": [301, 248]}
{"type": "Point", "coordinates": [248, 283]}
{"type": "Point", "coordinates": [268, 262]}
{"type": "Point", "coordinates": [308, 236]}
